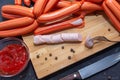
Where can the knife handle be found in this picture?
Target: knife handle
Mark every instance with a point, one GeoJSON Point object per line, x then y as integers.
{"type": "Point", "coordinates": [72, 76]}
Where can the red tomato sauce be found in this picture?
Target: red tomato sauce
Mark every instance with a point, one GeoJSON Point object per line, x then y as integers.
{"type": "Point", "coordinates": [12, 59]}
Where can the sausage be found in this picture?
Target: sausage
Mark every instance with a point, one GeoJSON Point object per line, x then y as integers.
{"type": "Point", "coordinates": [47, 38]}
{"type": "Point", "coordinates": [113, 8]}
{"type": "Point", "coordinates": [59, 26]}
{"type": "Point", "coordinates": [86, 8]}
{"type": "Point", "coordinates": [85, 5]}
{"type": "Point", "coordinates": [41, 39]}
{"type": "Point", "coordinates": [59, 20]}
{"type": "Point", "coordinates": [83, 13]}
{"type": "Point", "coordinates": [62, 4]}
{"type": "Point", "coordinates": [39, 7]}
{"type": "Point", "coordinates": [90, 6]}
{"type": "Point", "coordinates": [19, 31]}
{"type": "Point", "coordinates": [37, 39]}
{"type": "Point", "coordinates": [71, 37]}
{"type": "Point", "coordinates": [27, 2]}
{"type": "Point", "coordinates": [18, 10]}
{"type": "Point", "coordinates": [9, 16]}
{"type": "Point", "coordinates": [116, 4]}
{"type": "Point", "coordinates": [50, 5]}
{"type": "Point", "coordinates": [111, 16]}
{"type": "Point", "coordinates": [59, 13]}
{"type": "Point", "coordinates": [95, 1]}
{"type": "Point", "coordinates": [18, 2]}
{"type": "Point", "coordinates": [57, 38]}
{"type": "Point", "coordinates": [15, 23]}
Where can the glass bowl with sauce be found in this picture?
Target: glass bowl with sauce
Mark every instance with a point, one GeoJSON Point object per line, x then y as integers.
{"type": "Point", "coordinates": [14, 56]}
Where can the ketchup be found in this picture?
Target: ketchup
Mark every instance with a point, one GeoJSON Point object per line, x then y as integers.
{"type": "Point", "coordinates": [13, 58]}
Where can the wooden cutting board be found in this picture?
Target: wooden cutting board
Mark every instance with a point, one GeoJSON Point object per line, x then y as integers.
{"type": "Point", "coordinates": [47, 59]}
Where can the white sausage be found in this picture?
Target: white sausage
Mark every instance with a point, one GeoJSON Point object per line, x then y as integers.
{"type": "Point", "coordinates": [38, 39]}
{"type": "Point", "coordinates": [57, 38]}
{"type": "Point", "coordinates": [47, 38]}
{"type": "Point", "coordinates": [71, 37]}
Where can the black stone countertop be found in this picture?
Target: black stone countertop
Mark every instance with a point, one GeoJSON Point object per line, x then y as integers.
{"type": "Point", "coordinates": [112, 73]}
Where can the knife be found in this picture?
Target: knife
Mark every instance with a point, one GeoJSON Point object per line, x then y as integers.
{"type": "Point", "coordinates": [94, 68]}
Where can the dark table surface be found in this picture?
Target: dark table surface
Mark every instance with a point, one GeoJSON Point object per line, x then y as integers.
{"type": "Point", "coordinates": [112, 73]}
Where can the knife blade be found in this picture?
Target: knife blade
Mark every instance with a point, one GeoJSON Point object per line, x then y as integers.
{"type": "Point", "coordinates": [94, 68]}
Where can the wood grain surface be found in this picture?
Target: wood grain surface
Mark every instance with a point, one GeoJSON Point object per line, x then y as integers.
{"type": "Point", "coordinates": [47, 59]}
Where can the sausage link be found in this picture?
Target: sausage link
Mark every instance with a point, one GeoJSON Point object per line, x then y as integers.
{"type": "Point", "coordinates": [39, 7]}
{"type": "Point", "coordinates": [85, 5]}
{"type": "Point", "coordinates": [57, 38]}
{"type": "Point", "coordinates": [15, 23]}
{"type": "Point", "coordinates": [90, 6]}
{"type": "Point", "coordinates": [59, 13]}
{"type": "Point", "coordinates": [116, 4]}
{"type": "Point", "coordinates": [18, 10]}
{"type": "Point", "coordinates": [10, 16]}
{"type": "Point", "coordinates": [59, 26]}
{"type": "Point", "coordinates": [111, 16]}
{"type": "Point", "coordinates": [62, 4]}
{"type": "Point", "coordinates": [19, 31]}
{"type": "Point", "coordinates": [18, 2]}
{"type": "Point", "coordinates": [95, 1]}
{"type": "Point", "coordinates": [50, 5]}
{"type": "Point", "coordinates": [113, 8]}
